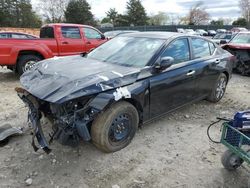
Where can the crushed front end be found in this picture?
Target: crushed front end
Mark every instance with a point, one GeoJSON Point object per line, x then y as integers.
{"type": "Point", "coordinates": [242, 64]}
{"type": "Point", "coordinates": [71, 120]}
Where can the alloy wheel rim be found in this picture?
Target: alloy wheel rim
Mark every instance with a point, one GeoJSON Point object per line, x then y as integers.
{"type": "Point", "coordinates": [221, 87]}
{"type": "Point", "coordinates": [29, 65]}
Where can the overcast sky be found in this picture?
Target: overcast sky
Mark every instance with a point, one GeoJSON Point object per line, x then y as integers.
{"type": "Point", "coordinates": [216, 8]}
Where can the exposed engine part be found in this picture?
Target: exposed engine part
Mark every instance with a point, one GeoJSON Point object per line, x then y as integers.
{"type": "Point", "coordinates": [71, 121]}
{"type": "Point", "coordinates": [242, 65]}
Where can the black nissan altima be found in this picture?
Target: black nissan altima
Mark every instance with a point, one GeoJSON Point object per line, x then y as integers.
{"type": "Point", "coordinates": [105, 95]}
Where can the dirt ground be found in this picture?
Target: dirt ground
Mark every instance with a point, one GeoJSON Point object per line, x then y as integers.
{"type": "Point", "coordinates": [171, 152]}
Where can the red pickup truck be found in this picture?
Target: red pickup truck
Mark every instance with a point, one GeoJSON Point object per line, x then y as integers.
{"type": "Point", "coordinates": [55, 40]}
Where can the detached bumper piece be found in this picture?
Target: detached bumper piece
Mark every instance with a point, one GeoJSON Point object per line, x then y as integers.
{"type": "Point", "coordinates": [7, 131]}
{"type": "Point", "coordinates": [34, 117]}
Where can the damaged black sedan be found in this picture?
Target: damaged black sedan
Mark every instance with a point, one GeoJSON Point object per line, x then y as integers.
{"type": "Point", "coordinates": [105, 95]}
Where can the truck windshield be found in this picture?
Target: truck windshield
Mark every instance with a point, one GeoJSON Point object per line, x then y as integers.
{"type": "Point", "coordinates": [241, 38]}
{"type": "Point", "coordinates": [47, 32]}
{"type": "Point", "coordinates": [127, 51]}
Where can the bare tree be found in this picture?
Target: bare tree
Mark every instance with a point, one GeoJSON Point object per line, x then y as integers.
{"type": "Point", "coordinates": [160, 18]}
{"type": "Point", "coordinates": [198, 15]}
{"type": "Point", "coordinates": [245, 9]}
{"type": "Point", "coordinates": [53, 10]}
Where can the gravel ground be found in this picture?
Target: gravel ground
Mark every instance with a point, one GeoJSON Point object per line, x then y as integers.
{"type": "Point", "coordinates": [173, 151]}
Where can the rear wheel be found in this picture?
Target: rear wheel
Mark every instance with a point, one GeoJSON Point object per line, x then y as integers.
{"type": "Point", "coordinates": [26, 62]}
{"type": "Point", "coordinates": [114, 129]}
{"type": "Point", "coordinates": [219, 89]}
{"type": "Point", "coordinates": [231, 161]}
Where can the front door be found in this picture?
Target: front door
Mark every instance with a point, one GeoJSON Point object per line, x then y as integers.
{"type": "Point", "coordinates": [71, 42]}
{"type": "Point", "coordinates": [92, 38]}
{"type": "Point", "coordinates": [176, 85]}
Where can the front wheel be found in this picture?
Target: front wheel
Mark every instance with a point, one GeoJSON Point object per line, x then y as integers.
{"type": "Point", "coordinates": [231, 161]}
{"type": "Point", "coordinates": [26, 62]}
{"type": "Point", "coordinates": [114, 129]}
{"type": "Point", "coordinates": [219, 89]}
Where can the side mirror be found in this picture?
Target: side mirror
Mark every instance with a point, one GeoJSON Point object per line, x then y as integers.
{"type": "Point", "coordinates": [164, 63]}
{"type": "Point", "coordinates": [223, 42]}
{"type": "Point", "coordinates": [103, 37]}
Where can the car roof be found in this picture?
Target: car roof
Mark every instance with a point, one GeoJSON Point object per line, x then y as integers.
{"type": "Point", "coordinates": [66, 25]}
{"type": "Point", "coordinates": [156, 35]}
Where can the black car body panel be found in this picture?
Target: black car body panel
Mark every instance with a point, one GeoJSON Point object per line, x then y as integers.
{"type": "Point", "coordinates": [73, 90]}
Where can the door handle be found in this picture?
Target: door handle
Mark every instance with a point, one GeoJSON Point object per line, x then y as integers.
{"type": "Point", "coordinates": [217, 61]}
{"type": "Point", "coordinates": [191, 72]}
{"type": "Point", "coordinates": [88, 42]}
{"type": "Point", "coordinates": [65, 42]}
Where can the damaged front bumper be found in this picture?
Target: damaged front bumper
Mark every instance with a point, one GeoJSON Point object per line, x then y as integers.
{"type": "Point", "coordinates": [34, 116]}
{"type": "Point", "coordinates": [68, 128]}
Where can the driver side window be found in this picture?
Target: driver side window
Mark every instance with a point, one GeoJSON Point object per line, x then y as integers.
{"type": "Point", "coordinates": [91, 33]}
{"type": "Point", "coordinates": [179, 50]}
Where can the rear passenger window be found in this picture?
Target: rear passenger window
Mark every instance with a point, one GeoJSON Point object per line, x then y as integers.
{"type": "Point", "coordinates": [212, 48]}
{"type": "Point", "coordinates": [200, 48]}
{"type": "Point", "coordinates": [179, 50]}
{"type": "Point", "coordinates": [71, 32]}
{"type": "Point", "coordinates": [17, 36]}
{"type": "Point", "coordinates": [47, 32]}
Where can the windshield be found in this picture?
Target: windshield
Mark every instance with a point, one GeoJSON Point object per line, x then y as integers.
{"type": "Point", "coordinates": [127, 51]}
{"type": "Point", "coordinates": [242, 38]}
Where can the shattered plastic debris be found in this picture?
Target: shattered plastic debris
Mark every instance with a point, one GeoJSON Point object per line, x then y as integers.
{"type": "Point", "coordinates": [122, 92]}
{"type": "Point", "coordinates": [6, 131]}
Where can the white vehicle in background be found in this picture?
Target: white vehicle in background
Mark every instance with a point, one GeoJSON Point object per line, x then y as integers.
{"type": "Point", "coordinates": [239, 29]}
{"type": "Point", "coordinates": [201, 32]}
{"type": "Point", "coordinates": [190, 32]}
{"type": "Point", "coordinates": [221, 31]}
{"type": "Point", "coordinates": [180, 30]}
{"type": "Point", "coordinates": [211, 33]}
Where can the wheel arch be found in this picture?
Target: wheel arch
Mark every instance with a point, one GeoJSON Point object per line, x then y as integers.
{"type": "Point", "coordinates": [227, 75]}
{"type": "Point", "coordinates": [138, 107]}
{"type": "Point", "coordinates": [30, 52]}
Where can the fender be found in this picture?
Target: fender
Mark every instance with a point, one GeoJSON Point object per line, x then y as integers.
{"type": "Point", "coordinates": [137, 94]}
{"type": "Point", "coordinates": [41, 49]}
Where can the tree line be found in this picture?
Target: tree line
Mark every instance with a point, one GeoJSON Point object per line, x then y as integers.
{"type": "Point", "coordinates": [20, 13]}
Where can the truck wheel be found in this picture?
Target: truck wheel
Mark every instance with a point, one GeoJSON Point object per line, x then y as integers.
{"type": "Point", "coordinates": [26, 62]}
{"type": "Point", "coordinates": [114, 129]}
{"type": "Point", "coordinates": [219, 89]}
{"type": "Point", "coordinates": [231, 161]}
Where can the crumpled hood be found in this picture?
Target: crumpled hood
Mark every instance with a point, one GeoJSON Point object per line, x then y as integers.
{"type": "Point", "coordinates": [58, 80]}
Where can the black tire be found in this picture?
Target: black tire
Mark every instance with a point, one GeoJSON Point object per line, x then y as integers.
{"type": "Point", "coordinates": [120, 119]}
{"type": "Point", "coordinates": [231, 161]}
{"type": "Point", "coordinates": [219, 89]}
{"type": "Point", "coordinates": [23, 60]}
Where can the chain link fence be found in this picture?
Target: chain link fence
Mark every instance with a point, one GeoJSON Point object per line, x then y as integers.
{"type": "Point", "coordinates": [172, 28]}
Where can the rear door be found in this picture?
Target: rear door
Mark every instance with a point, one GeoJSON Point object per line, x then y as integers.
{"type": "Point", "coordinates": [92, 38]}
{"type": "Point", "coordinates": [71, 41]}
{"type": "Point", "coordinates": [176, 85]}
{"type": "Point", "coordinates": [208, 62]}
